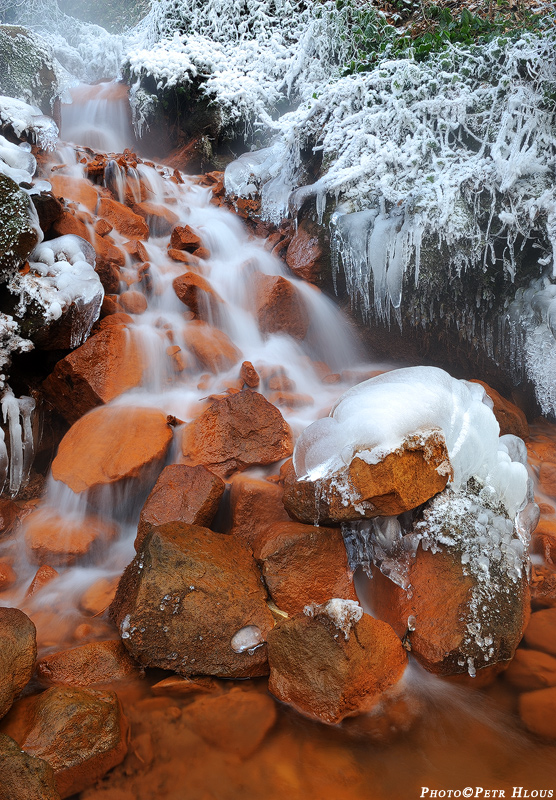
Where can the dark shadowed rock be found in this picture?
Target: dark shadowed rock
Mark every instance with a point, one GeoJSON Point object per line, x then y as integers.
{"type": "Point", "coordinates": [18, 652]}
{"type": "Point", "coordinates": [24, 777]}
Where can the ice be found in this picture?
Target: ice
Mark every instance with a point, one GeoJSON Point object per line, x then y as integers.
{"type": "Point", "coordinates": [343, 613]}
{"type": "Point", "coordinates": [246, 639]}
{"type": "Point", "coordinates": [17, 413]}
{"type": "Point", "coordinates": [29, 120]}
{"type": "Point", "coordinates": [376, 416]}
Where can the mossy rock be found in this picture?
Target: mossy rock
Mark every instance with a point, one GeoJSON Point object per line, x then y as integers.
{"type": "Point", "coordinates": [17, 235]}
{"type": "Point", "coordinates": [26, 68]}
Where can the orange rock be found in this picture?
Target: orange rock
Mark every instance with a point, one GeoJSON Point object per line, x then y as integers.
{"type": "Point", "coordinates": [327, 674]}
{"type": "Point", "coordinates": [543, 586]}
{"type": "Point", "coordinates": [189, 605]}
{"type": "Point", "coordinates": [87, 665]}
{"type": "Point", "coordinates": [108, 364]}
{"type": "Point", "coordinates": [547, 478]}
{"type": "Point", "coordinates": [24, 777]}
{"type": "Point", "coordinates": [441, 605]}
{"type": "Point", "coordinates": [8, 516]}
{"type": "Point", "coordinates": [43, 576]}
{"type": "Point", "coordinates": [302, 564]}
{"type": "Point", "coordinates": [68, 223]}
{"type": "Point", "coordinates": [196, 293]}
{"type": "Point", "coordinates": [531, 669]}
{"type": "Point", "coordinates": [181, 494]}
{"type": "Point", "coordinates": [77, 189]}
{"type": "Point", "coordinates": [249, 375]}
{"type": "Point", "coordinates": [254, 505]}
{"type": "Point", "coordinates": [236, 722]}
{"type": "Point", "coordinates": [8, 577]}
{"type": "Point", "coordinates": [403, 480]}
{"type": "Point", "coordinates": [51, 538]}
{"type": "Point", "coordinates": [123, 219]}
{"type": "Point", "coordinates": [133, 302]}
{"type": "Point", "coordinates": [538, 712]}
{"type": "Point", "coordinates": [184, 238]}
{"type": "Point", "coordinates": [279, 307]}
{"type": "Point", "coordinates": [237, 432]}
{"type": "Point", "coordinates": [117, 318]}
{"type": "Point", "coordinates": [304, 254]}
{"type": "Point", "coordinates": [109, 306]}
{"type": "Point", "coordinates": [545, 545]}
{"type": "Point", "coordinates": [540, 634]}
{"type": "Point", "coordinates": [510, 418]}
{"type": "Point", "coordinates": [211, 347]}
{"type": "Point", "coordinates": [180, 686]}
{"type": "Point", "coordinates": [202, 252]}
{"type": "Point", "coordinates": [81, 733]}
{"type": "Point", "coordinates": [184, 257]}
{"type": "Point", "coordinates": [102, 227]}
{"type": "Point", "coordinates": [18, 651]}
{"type": "Point", "coordinates": [291, 399]}
{"type": "Point", "coordinates": [110, 445]}
{"type": "Point", "coordinates": [160, 219]}
{"type": "Point", "coordinates": [96, 599]}
{"type": "Point", "coordinates": [137, 249]}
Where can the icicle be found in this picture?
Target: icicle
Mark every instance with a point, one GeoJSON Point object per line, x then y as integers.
{"type": "Point", "coordinates": [15, 412]}
{"type": "Point", "coordinates": [3, 460]}
{"type": "Point", "coordinates": [26, 408]}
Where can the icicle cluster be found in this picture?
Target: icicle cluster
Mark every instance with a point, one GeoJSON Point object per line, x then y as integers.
{"type": "Point", "coordinates": [17, 414]}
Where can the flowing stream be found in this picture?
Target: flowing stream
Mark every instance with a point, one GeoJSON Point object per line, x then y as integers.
{"type": "Point", "coordinates": [462, 738]}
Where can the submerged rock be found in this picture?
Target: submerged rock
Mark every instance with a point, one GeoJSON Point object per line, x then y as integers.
{"type": "Point", "coordinates": [87, 665]}
{"type": "Point", "coordinates": [18, 652]}
{"type": "Point", "coordinates": [81, 733]}
{"type": "Point", "coordinates": [279, 308]}
{"type": "Point", "coordinates": [192, 601]}
{"type": "Point", "coordinates": [538, 712]}
{"type": "Point", "coordinates": [333, 661]}
{"type": "Point", "coordinates": [55, 539]}
{"type": "Point", "coordinates": [237, 432]}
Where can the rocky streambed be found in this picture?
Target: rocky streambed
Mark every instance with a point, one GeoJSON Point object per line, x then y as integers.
{"type": "Point", "coordinates": [187, 612]}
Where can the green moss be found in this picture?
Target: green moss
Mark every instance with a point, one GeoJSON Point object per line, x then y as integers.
{"type": "Point", "coordinates": [26, 69]}
{"type": "Point", "coordinates": [17, 236]}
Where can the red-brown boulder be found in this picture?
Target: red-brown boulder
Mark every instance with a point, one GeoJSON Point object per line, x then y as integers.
{"type": "Point", "coordinates": [192, 601]}
{"type": "Point", "coordinates": [112, 444]}
{"type": "Point", "coordinates": [123, 219]}
{"type": "Point", "coordinates": [108, 364]}
{"type": "Point", "coordinates": [538, 712]}
{"type": "Point", "coordinates": [24, 777]}
{"type": "Point", "coordinates": [18, 652]}
{"type": "Point", "coordinates": [81, 733]}
{"type": "Point", "coordinates": [159, 218]}
{"type": "Point", "coordinates": [133, 302]}
{"type": "Point", "coordinates": [211, 347]}
{"type": "Point", "coordinates": [279, 307]}
{"type": "Point", "coordinates": [249, 375]}
{"type": "Point", "coordinates": [53, 538]}
{"type": "Point", "coordinates": [87, 665]}
{"type": "Point", "coordinates": [255, 504]}
{"type": "Point", "coordinates": [531, 669]}
{"type": "Point", "coordinates": [237, 432]}
{"type": "Point", "coordinates": [540, 634]}
{"type": "Point", "coordinates": [42, 577]}
{"type": "Point", "coordinates": [184, 238]}
{"type": "Point", "coordinates": [77, 189]}
{"type": "Point", "coordinates": [304, 253]}
{"type": "Point", "coordinates": [181, 494]}
{"type": "Point", "coordinates": [197, 293]}
{"type": "Point", "coordinates": [302, 564]}
{"type": "Point", "coordinates": [335, 662]}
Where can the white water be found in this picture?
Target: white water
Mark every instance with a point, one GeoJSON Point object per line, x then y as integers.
{"type": "Point", "coordinates": [235, 259]}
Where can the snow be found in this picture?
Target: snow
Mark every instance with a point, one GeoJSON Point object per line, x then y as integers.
{"type": "Point", "coordinates": [30, 121]}
{"type": "Point", "coordinates": [375, 417]}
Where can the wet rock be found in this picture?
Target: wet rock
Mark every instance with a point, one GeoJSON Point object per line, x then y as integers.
{"type": "Point", "coordinates": [77, 189]}
{"type": "Point", "coordinates": [305, 252]}
{"type": "Point", "coordinates": [255, 504]}
{"type": "Point", "coordinates": [18, 652]}
{"type": "Point", "coordinates": [547, 478]}
{"type": "Point", "coordinates": [543, 587]}
{"type": "Point", "coordinates": [87, 665]}
{"type": "Point", "coordinates": [52, 538]}
{"type": "Point", "coordinates": [236, 722]}
{"type": "Point", "coordinates": [18, 236]}
{"type": "Point", "coordinates": [538, 712]}
{"type": "Point", "coordinates": [249, 375]}
{"type": "Point", "coordinates": [42, 578]}
{"type": "Point", "coordinates": [108, 364]}
{"type": "Point", "coordinates": [510, 418]}
{"type": "Point", "coordinates": [278, 306]}
{"type": "Point", "coordinates": [237, 432]}
{"type": "Point", "coordinates": [123, 219]}
{"type": "Point", "coordinates": [403, 480]}
{"type": "Point", "coordinates": [178, 686]}
{"type": "Point", "coordinates": [133, 302]}
{"type": "Point", "coordinates": [160, 219]}
{"type": "Point", "coordinates": [111, 445]}
{"type": "Point", "coordinates": [48, 208]}
{"type": "Point", "coordinates": [327, 669]}
{"type": "Point", "coordinates": [184, 238]}
{"type": "Point", "coordinates": [531, 669]}
{"type": "Point", "coordinates": [540, 633]}
{"type": "Point", "coordinates": [192, 601]}
{"type": "Point", "coordinates": [81, 733]}
{"type": "Point", "coordinates": [96, 599]}
{"type": "Point", "coordinates": [302, 564]}
{"type": "Point", "coordinates": [8, 577]}
{"type": "Point", "coordinates": [442, 606]}
{"type": "Point", "coordinates": [24, 777]}
{"type": "Point", "coordinates": [212, 348]}
{"type": "Point", "coordinates": [8, 516]}
{"type": "Point", "coordinates": [197, 293]}
{"type": "Point", "coordinates": [181, 494]}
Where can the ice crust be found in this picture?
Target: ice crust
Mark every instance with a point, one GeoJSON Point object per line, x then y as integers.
{"type": "Point", "coordinates": [30, 121]}
{"type": "Point", "coordinates": [343, 613]}
{"type": "Point", "coordinates": [376, 416]}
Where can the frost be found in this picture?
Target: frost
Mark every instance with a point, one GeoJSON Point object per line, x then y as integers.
{"type": "Point", "coordinates": [29, 120]}
{"type": "Point", "coordinates": [343, 613]}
